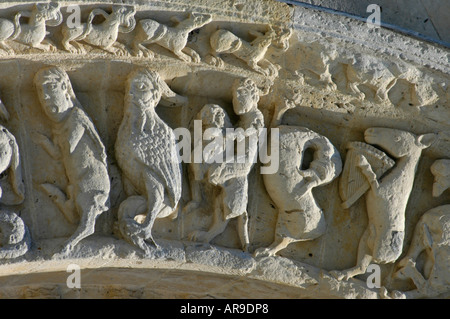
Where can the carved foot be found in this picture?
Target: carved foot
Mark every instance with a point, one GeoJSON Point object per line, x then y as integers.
{"type": "Point", "coordinates": [141, 51]}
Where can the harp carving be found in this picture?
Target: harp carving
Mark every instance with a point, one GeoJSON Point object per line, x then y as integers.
{"type": "Point", "coordinates": [353, 184]}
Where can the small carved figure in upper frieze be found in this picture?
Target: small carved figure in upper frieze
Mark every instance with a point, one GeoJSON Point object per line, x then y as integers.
{"type": "Point", "coordinates": [172, 38]}
{"type": "Point", "coordinates": [253, 53]}
{"type": "Point", "coordinates": [76, 143]}
{"type": "Point", "coordinates": [147, 155]}
{"type": "Point", "coordinates": [103, 35]}
{"type": "Point", "coordinates": [386, 198]}
{"type": "Point", "coordinates": [441, 172]}
{"type": "Point", "coordinates": [34, 32]}
{"type": "Point", "coordinates": [300, 218]}
{"type": "Point", "coordinates": [432, 237]}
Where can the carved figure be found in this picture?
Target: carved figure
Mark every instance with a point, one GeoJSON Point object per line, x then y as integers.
{"type": "Point", "coordinates": [77, 144]}
{"type": "Point", "coordinates": [172, 38]}
{"type": "Point", "coordinates": [15, 239]}
{"type": "Point", "coordinates": [34, 32]}
{"type": "Point", "coordinates": [441, 171]}
{"type": "Point", "coordinates": [103, 35]}
{"type": "Point", "coordinates": [386, 201]}
{"type": "Point", "coordinates": [147, 155]}
{"type": "Point", "coordinates": [10, 163]}
{"type": "Point", "coordinates": [299, 216]}
{"type": "Point", "coordinates": [231, 177]}
{"type": "Point", "coordinates": [213, 117]}
{"type": "Point", "coordinates": [252, 53]}
{"type": "Point", "coordinates": [432, 236]}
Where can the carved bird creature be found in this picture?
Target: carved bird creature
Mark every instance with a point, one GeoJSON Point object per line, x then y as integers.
{"type": "Point", "coordinates": [147, 155]}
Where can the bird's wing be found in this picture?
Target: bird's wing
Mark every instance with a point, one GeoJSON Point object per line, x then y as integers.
{"type": "Point", "coordinates": [157, 151]}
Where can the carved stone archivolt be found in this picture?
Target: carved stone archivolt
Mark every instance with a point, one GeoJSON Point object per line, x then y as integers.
{"type": "Point", "coordinates": [115, 150]}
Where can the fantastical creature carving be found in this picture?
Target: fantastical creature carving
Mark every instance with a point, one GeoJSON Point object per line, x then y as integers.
{"type": "Point", "coordinates": [146, 153]}
{"type": "Point", "coordinates": [432, 236]}
{"type": "Point", "coordinates": [76, 143]}
{"type": "Point", "coordinates": [103, 35]}
{"type": "Point", "coordinates": [15, 238]}
{"type": "Point", "coordinates": [231, 178]}
{"type": "Point", "coordinates": [386, 200]}
{"type": "Point", "coordinates": [253, 53]}
{"type": "Point", "coordinates": [299, 216]}
{"type": "Point", "coordinates": [10, 164]}
{"type": "Point", "coordinates": [172, 38]}
{"type": "Point", "coordinates": [34, 32]}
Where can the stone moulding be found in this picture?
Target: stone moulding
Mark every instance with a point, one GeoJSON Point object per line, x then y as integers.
{"type": "Point", "coordinates": [94, 109]}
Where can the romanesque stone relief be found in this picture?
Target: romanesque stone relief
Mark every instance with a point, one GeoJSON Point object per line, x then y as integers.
{"type": "Point", "coordinates": [103, 35]}
{"type": "Point", "coordinates": [99, 110]}
{"type": "Point", "coordinates": [230, 178]}
{"type": "Point", "coordinates": [172, 38]}
{"type": "Point", "coordinates": [15, 236]}
{"type": "Point", "coordinates": [77, 144]}
{"type": "Point", "coordinates": [147, 156]}
{"type": "Point", "coordinates": [387, 197]}
{"type": "Point", "coordinates": [34, 32]}
{"type": "Point", "coordinates": [253, 53]}
{"type": "Point", "coordinates": [431, 236]}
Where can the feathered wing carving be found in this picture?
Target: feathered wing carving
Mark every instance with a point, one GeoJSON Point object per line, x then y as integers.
{"type": "Point", "coordinates": [154, 148]}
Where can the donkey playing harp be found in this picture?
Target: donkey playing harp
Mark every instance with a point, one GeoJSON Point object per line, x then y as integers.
{"type": "Point", "coordinates": [386, 200]}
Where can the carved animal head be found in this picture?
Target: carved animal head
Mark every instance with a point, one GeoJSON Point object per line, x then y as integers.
{"type": "Point", "coordinates": [49, 12]}
{"type": "Point", "coordinates": [398, 143]}
{"type": "Point", "coordinates": [199, 19]}
{"type": "Point", "coordinates": [281, 40]}
{"type": "Point", "coordinates": [125, 15]}
{"type": "Point", "coordinates": [146, 89]}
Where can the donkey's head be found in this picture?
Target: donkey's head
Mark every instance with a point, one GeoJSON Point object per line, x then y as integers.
{"type": "Point", "coordinates": [398, 143]}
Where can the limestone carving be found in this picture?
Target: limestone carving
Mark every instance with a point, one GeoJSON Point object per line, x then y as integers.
{"type": "Point", "coordinates": [432, 236]}
{"type": "Point", "coordinates": [15, 238]}
{"type": "Point", "coordinates": [386, 200]}
{"type": "Point", "coordinates": [253, 53]}
{"type": "Point", "coordinates": [441, 171]}
{"type": "Point", "coordinates": [147, 155]}
{"type": "Point", "coordinates": [299, 216]}
{"type": "Point", "coordinates": [77, 144]}
{"type": "Point", "coordinates": [32, 33]}
{"type": "Point", "coordinates": [103, 35]}
{"type": "Point", "coordinates": [172, 38]}
{"type": "Point", "coordinates": [231, 177]}
{"type": "Point", "coordinates": [10, 163]}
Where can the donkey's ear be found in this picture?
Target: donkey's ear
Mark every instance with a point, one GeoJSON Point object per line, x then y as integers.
{"type": "Point", "coordinates": [426, 140]}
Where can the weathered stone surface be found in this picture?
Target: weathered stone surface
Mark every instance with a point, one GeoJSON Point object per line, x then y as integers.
{"type": "Point", "coordinates": [115, 131]}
